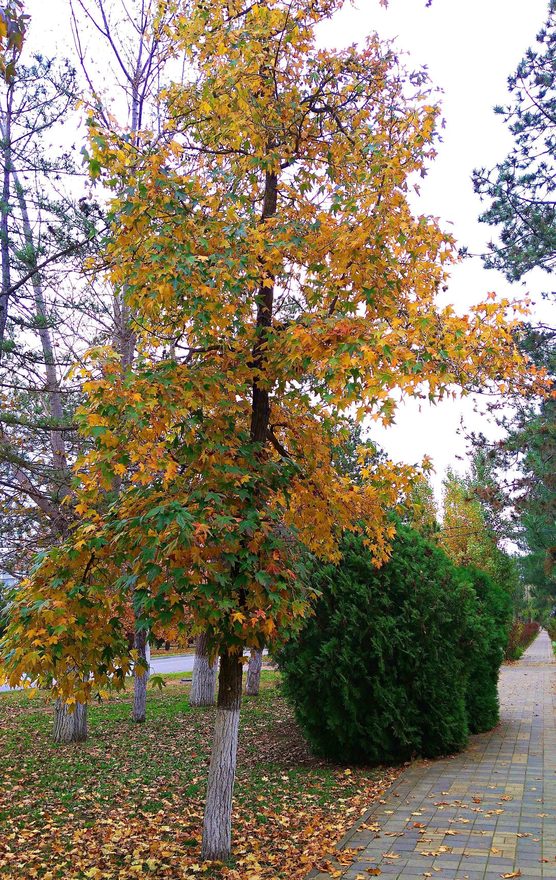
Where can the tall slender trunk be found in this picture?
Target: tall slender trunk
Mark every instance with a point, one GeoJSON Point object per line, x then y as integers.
{"type": "Point", "coordinates": [203, 684]}
{"type": "Point", "coordinates": [217, 827]}
{"type": "Point", "coordinates": [253, 683]}
{"type": "Point", "coordinates": [5, 214]}
{"type": "Point", "coordinates": [140, 681]}
{"type": "Point", "coordinates": [55, 405]}
{"type": "Point", "coordinates": [69, 726]}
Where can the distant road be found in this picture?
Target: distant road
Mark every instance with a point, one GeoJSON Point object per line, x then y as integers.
{"type": "Point", "coordinates": [179, 663]}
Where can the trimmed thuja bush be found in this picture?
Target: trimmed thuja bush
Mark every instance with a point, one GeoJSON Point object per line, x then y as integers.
{"type": "Point", "coordinates": [493, 612]}
{"type": "Point", "coordinates": [390, 663]}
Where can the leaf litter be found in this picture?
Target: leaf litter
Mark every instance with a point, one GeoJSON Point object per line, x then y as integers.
{"type": "Point", "coordinates": [128, 803]}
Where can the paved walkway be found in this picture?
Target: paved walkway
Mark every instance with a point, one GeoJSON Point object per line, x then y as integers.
{"type": "Point", "coordinates": [487, 813]}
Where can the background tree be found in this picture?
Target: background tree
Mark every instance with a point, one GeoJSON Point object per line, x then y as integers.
{"type": "Point", "coordinates": [133, 41]}
{"type": "Point", "coordinates": [465, 534]}
{"type": "Point", "coordinates": [45, 227]}
{"type": "Point", "coordinates": [13, 25]}
{"type": "Point", "coordinates": [521, 188]}
{"type": "Point", "coordinates": [203, 682]}
{"type": "Point", "coordinates": [280, 286]}
{"type": "Point", "coordinates": [423, 512]}
{"type": "Point", "coordinates": [522, 207]}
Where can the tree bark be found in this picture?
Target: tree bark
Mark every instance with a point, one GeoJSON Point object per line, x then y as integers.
{"type": "Point", "coordinates": [217, 826]}
{"type": "Point", "coordinates": [70, 726]}
{"type": "Point", "coordinates": [253, 682]}
{"type": "Point", "coordinates": [139, 713]}
{"type": "Point", "coordinates": [5, 214]}
{"type": "Point", "coordinates": [203, 684]}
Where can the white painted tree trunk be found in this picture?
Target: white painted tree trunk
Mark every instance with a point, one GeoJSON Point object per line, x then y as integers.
{"type": "Point", "coordinates": [253, 682]}
{"type": "Point", "coordinates": [80, 722]}
{"type": "Point", "coordinates": [141, 645]}
{"type": "Point", "coordinates": [70, 726]}
{"type": "Point", "coordinates": [203, 684]}
{"type": "Point", "coordinates": [217, 826]}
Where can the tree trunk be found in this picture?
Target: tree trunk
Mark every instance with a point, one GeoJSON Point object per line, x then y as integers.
{"type": "Point", "coordinates": [203, 684]}
{"type": "Point", "coordinates": [139, 713]}
{"type": "Point", "coordinates": [70, 726]}
{"type": "Point", "coordinates": [80, 723]}
{"type": "Point", "coordinates": [253, 682]}
{"type": "Point", "coordinates": [5, 214]}
{"type": "Point", "coordinates": [217, 826]}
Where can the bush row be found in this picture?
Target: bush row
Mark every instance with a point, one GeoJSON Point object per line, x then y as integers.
{"type": "Point", "coordinates": [400, 660]}
{"type": "Point", "coordinates": [520, 637]}
{"type": "Point", "coordinates": [551, 628]}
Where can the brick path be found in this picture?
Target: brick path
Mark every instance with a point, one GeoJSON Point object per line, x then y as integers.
{"type": "Point", "coordinates": [480, 815]}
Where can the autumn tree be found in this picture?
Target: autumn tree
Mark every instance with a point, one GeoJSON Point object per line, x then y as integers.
{"type": "Point", "coordinates": [281, 286]}
{"type": "Point", "coordinates": [466, 536]}
{"type": "Point", "coordinates": [423, 510]}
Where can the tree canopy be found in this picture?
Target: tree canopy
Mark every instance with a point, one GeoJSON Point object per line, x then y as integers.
{"type": "Point", "coordinates": [279, 283]}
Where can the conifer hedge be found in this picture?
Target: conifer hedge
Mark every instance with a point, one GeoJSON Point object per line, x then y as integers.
{"type": "Point", "coordinates": [396, 661]}
{"type": "Point", "coordinates": [494, 613]}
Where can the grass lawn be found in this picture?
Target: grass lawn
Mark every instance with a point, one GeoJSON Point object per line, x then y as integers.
{"type": "Point", "coordinates": [128, 802]}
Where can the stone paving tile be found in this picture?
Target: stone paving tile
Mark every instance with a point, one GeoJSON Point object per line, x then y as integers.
{"type": "Point", "coordinates": [479, 815]}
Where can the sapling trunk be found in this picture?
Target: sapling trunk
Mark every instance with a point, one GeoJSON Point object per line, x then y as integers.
{"type": "Point", "coordinates": [217, 827]}
{"type": "Point", "coordinates": [203, 684]}
{"type": "Point", "coordinates": [253, 682]}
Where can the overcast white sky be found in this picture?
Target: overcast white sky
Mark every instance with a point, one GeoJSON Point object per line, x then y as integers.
{"type": "Point", "coordinates": [470, 48]}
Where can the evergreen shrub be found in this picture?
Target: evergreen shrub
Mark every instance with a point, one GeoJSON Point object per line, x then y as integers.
{"type": "Point", "coordinates": [493, 617]}
{"type": "Point", "coordinates": [383, 669]}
